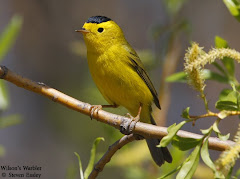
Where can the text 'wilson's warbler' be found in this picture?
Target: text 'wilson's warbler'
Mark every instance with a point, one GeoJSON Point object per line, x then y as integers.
{"type": "Point", "coordinates": [120, 76]}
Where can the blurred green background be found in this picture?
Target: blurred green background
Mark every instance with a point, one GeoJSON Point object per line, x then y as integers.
{"type": "Point", "coordinates": [48, 50]}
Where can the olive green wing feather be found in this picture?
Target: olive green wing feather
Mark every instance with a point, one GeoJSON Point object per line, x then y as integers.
{"type": "Point", "coordinates": [136, 63]}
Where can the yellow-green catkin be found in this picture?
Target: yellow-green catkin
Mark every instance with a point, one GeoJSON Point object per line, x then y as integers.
{"type": "Point", "coordinates": [196, 59]}
{"type": "Point", "coordinates": [228, 158]}
{"type": "Point", "coordinates": [195, 77]}
{"type": "Point", "coordinates": [214, 54]}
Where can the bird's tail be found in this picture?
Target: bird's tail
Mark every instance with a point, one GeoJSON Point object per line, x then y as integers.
{"type": "Point", "coordinates": [159, 154]}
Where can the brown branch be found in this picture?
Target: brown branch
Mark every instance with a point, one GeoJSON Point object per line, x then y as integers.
{"type": "Point", "coordinates": [111, 151]}
{"type": "Point", "coordinates": [143, 129]}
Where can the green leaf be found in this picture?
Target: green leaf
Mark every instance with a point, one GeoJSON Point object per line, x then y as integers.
{"type": "Point", "coordinates": [231, 102]}
{"type": "Point", "coordinates": [224, 93]}
{"type": "Point", "coordinates": [80, 165]}
{"type": "Point", "coordinates": [220, 42]}
{"type": "Point", "coordinates": [233, 7]}
{"type": "Point", "coordinates": [92, 157]}
{"type": "Point", "coordinates": [229, 65]}
{"type": "Point", "coordinates": [185, 143]}
{"type": "Point", "coordinates": [206, 159]}
{"type": "Point", "coordinates": [217, 131]}
{"type": "Point", "coordinates": [10, 121]}
{"type": "Point", "coordinates": [170, 173]}
{"type": "Point", "coordinates": [205, 155]}
{"type": "Point", "coordinates": [215, 127]}
{"type": "Point", "coordinates": [172, 130]}
{"type": "Point", "coordinates": [223, 114]}
{"type": "Point", "coordinates": [177, 77]}
{"type": "Point", "coordinates": [227, 62]}
{"type": "Point", "coordinates": [206, 131]}
{"type": "Point", "coordinates": [185, 113]}
{"type": "Point", "coordinates": [223, 137]}
{"type": "Point", "coordinates": [226, 105]}
{"type": "Point", "coordinates": [190, 164]}
{"type": "Point", "coordinates": [9, 35]}
{"type": "Point", "coordinates": [4, 97]}
{"type": "Point", "coordinates": [209, 75]}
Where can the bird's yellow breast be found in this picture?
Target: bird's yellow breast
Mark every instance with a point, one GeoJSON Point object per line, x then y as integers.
{"type": "Point", "coordinates": [118, 81]}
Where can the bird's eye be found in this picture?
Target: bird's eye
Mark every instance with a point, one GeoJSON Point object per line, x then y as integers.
{"type": "Point", "coordinates": [100, 29]}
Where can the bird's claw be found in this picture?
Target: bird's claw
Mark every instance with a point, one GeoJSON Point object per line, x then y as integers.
{"type": "Point", "coordinates": [133, 118]}
{"type": "Point", "coordinates": [94, 109]}
{"type": "Point", "coordinates": [127, 127]}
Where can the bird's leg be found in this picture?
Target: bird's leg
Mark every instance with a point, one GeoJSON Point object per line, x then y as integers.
{"type": "Point", "coordinates": [96, 108]}
{"type": "Point", "coordinates": [127, 128]}
{"type": "Point", "coordinates": [137, 116]}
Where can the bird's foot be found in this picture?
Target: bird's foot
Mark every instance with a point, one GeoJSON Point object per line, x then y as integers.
{"type": "Point", "coordinates": [95, 109]}
{"type": "Point", "coordinates": [127, 126]}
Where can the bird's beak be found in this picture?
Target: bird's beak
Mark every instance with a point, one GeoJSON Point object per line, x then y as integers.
{"type": "Point", "coordinates": [83, 31]}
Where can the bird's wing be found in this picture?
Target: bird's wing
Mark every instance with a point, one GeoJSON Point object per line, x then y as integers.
{"type": "Point", "coordinates": [136, 63]}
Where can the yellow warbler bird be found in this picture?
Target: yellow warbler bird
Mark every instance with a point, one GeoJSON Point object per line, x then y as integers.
{"type": "Point", "coordinates": [120, 76]}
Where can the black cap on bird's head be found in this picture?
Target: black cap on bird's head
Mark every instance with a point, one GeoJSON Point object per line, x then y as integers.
{"type": "Point", "coordinates": [94, 20]}
{"type": "Point", "coordinates": [101, 31]}
{"type": "Point", "coordinates": [98, 19]}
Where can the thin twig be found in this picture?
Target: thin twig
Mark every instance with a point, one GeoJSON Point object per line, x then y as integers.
{"type": "Point", "coordinates": [108, 155]}
{"type": "Point", "coordinates": [143, 129]}
{"type": "Point", "coordinates": [209, 114]}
